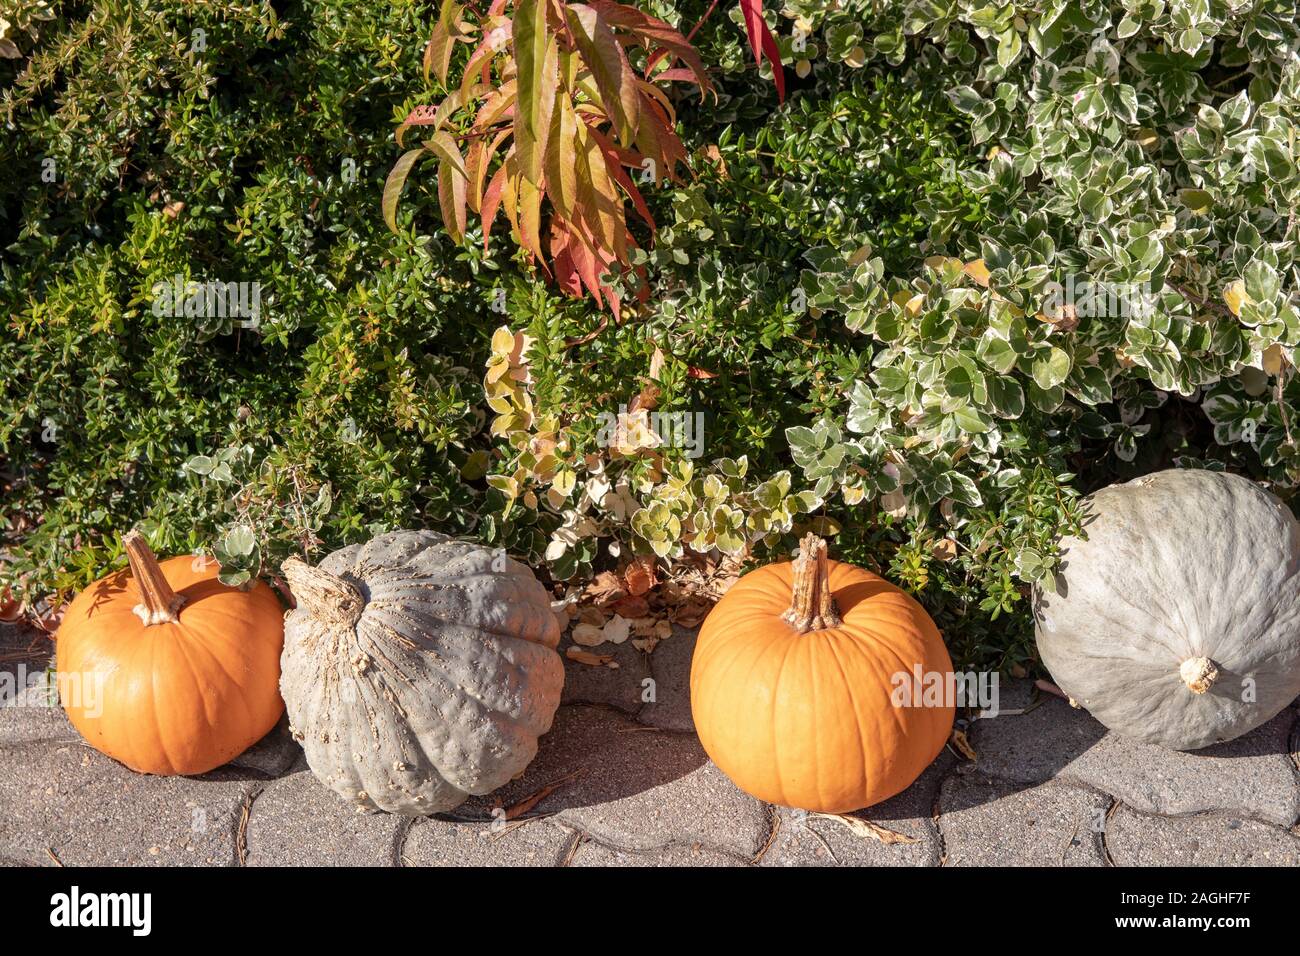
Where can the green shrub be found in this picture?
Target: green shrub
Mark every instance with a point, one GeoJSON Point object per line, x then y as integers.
{"type": "Point", "coordinates": [855, 290]}
{"type": "Point", "coordinates": [251, 151]}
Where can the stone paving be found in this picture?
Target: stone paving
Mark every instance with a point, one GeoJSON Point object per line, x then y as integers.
{"type": "Point", "coordinates": [632, 787]}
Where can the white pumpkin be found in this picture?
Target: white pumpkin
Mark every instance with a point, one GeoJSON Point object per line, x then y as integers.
{"type": "Point", "coordinates": [418, 669]}
{"type": "Point", "coordinates": [1177, 620]}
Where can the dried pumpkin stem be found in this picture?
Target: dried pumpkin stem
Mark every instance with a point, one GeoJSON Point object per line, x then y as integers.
{"type": "Point", "coordinates": [812, 606]}
{"type": "Point", "coordinates": [1199, 674]}
{"type": "Point", "coordinates": [330, 597]}
{"type": "Point", "coordinates": [159, 604]}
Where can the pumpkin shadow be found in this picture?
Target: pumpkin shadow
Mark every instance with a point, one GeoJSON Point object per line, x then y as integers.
{"type": "Point", "coordinates": [25, 653]}
{"type": "Point", "coordinates": [592, 755]}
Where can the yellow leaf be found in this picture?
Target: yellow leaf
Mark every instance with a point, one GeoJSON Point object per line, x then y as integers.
{"type": "Point", "coordinates": [978, 272]}
{"type": "Point", "coordinates": [1235, 295]}
{"type": "Point", "coordinates": [503, 342]}
{"type": "Point", "coordinates": [1274, 359]}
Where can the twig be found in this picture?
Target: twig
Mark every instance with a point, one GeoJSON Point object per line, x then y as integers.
{"type": "Point", "coordinates": [822, 840]}
{"type": "Point", "coordinates": [53, 856]}
{"type": "Point", "coordinates": [584, 339]}
{"type": "Point", "coordinates": [1203, 302]}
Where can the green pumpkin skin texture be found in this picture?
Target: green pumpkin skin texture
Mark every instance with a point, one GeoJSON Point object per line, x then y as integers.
{"type": "Point", "coordinates": [418, 670]}
{"type": "Point", "coordinates": [1178, 565]}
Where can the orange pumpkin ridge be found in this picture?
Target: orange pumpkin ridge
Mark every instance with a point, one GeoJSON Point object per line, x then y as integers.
{"type": "Point", "coordinates": [167, 670]}
{"type": "Point", "coordinates": [793, 683]}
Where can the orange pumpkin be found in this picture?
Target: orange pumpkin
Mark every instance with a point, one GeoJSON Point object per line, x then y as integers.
{"type": "Point", "coordinates": [804, 685]}
{"type": "Point", "coordinates": [166, 669]}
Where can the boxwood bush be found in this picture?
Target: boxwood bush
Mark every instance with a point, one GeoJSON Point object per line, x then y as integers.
{"type": "Point", "coordinates": [983, 259]}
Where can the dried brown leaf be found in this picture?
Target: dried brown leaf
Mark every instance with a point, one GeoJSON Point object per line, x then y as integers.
{"type": "Point", "coordinates": [640, 576]}
{"type": "Point", "coordinates": [588, 635]}
{"type": "Point", "coordinates": [959, 743]}
{"type": "Point", "coordinates": [605, 588]}
{"type": "Point", "coordinates": [868, 830]}
{"type": "Point", "coordinates": [575, 653]}
{"type": "Point", "coordinates": [632, 607]}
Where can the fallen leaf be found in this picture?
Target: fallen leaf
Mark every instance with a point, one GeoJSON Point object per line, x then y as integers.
{"type": "Point", "coordinates": [959, 743]}
{"type": "Point", "coordinates": [1049, 687]}
{"type": "Point", "coordinates": [616, 631]}
{"type": "Point", "coordinates": [631, 607]}
{"type": "Point", "coordinates": [593, 616]}
{"type": "Point", "coordinates": [588, 635]}
{"type": "Point", "coordinates": [173, 209]}
{"type": "Point", "coordinates": [595, 660]}
{"type": "Point", "coordinates": [868, 830]}
{"type": "Point", "coordinates": [605, 588]}
{"type": "Point", "coordinates": [527, 803]}
{"type": "Point", "coordinates": [639, 576]}
{"type": "Point", "coordinates": [643, 626]}
{"type": "Point", "coordinates": [691, 614]}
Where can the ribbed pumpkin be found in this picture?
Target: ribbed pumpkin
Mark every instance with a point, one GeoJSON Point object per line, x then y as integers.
{"type": "Point", "coordinates": [419, 669]}
{"type": "Point", "coordinates": [1176, 620]}
{"type": "Point", "coordinates": [166, 669]}
{"type": "Point", "coordinates": [794, 680]}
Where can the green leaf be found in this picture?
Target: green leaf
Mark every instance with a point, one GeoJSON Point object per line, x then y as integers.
{"type": "Point", "coordinates": [964, 489]}
{"type": "Point", "coordinates": [1261, 281]}
{"type": "Point", "coordinates": [536, 65]}
{"type": "Point", "coordinates": [437, 55]}
{"type": "Point", "coordinates": [1050, 367]}
{"type": "Point", "coordinates": [891, 378]}
{"type": "Point", "coordinates": [972, 421]}
{"type": "Point", "coordinates": [1198, 201]}
{"type": "Point", "coordinates": [239, 542]}
{"type": "Point", "coordinates": [394, 183]}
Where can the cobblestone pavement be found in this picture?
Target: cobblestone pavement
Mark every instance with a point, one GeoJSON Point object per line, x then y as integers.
{"type": "Point", "coordinates": [634, 788]}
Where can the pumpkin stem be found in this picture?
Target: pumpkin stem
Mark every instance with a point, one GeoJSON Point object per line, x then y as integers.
{"type": "Point", "coordinates": [812, 606]}
{"type": "Point", "coordinates": [327, 595]}
{"type": "Point", "coordinates": [159, 604]}
{"type": "Point", "coordinates": [1199, 674]}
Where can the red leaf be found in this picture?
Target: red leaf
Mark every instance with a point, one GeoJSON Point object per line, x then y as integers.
{"type": "Point", "coordinates": [654, 32]}
{"type": "Point", "coordinates": [762, 42]}
{"type": "Point", "coordinates": [566, 272]}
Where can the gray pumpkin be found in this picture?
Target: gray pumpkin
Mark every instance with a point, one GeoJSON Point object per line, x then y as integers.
{"type": "Point", "coordinates": [1177, 621]}
{"type": "Point", "coordinates": [418, 669]}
